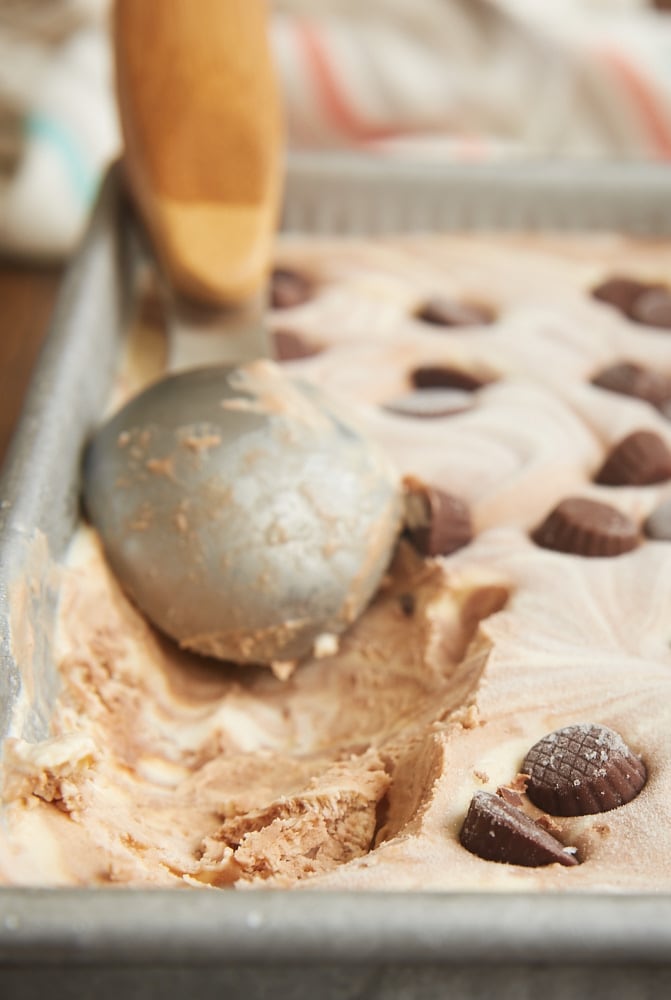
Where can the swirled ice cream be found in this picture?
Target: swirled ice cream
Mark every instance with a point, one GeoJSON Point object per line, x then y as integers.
{"type": "Point", "coordinates": [520, 640]}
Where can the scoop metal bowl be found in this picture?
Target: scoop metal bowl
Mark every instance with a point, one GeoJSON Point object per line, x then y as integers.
{"type": "Point", "coordinates": [241, 512]}
{"type": "Point", "coordinates": [244, 516]}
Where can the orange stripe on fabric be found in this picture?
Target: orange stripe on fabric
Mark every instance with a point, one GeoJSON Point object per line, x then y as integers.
{"type": "Point", "coordinates": [332, 97]}
{"type": "Point", "coordinates": [644, 99]}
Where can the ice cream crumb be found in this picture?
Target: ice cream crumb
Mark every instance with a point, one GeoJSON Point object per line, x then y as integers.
{"type": "Point", "coordinates": [325, 645]}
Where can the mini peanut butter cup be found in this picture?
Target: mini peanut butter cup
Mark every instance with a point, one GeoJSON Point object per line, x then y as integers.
{"type": "Point", "coordinates": [445, 377]}
{"type": "Point", "coordinates": [583, 769]}
{"type": "Point", "coordinates": [289, 345]}
{"type": "Point", "coordinates": [583, 527]}
{"type": "Point", "coordinates": [496, 830]}
{"type": "Point", "coordinates": [620, 291]}
{"type": "Point", "coordinates": [289, 288]}
{"type": "Point", "coordinates": [437, 523]}
{"type": "Point", "coordinates": [658, 524]}
{"type": "Point", "coordinates": [639, 459]}
{"type": "Point", "coordinates": [439, 311]}
{"type": "Point", "coordinates": [653, 308]}
{"type": "Point", "coordinates": [630, 379]}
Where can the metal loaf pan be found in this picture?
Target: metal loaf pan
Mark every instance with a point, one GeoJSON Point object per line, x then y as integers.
{"type": "Point", "coordinates": [110, 943]}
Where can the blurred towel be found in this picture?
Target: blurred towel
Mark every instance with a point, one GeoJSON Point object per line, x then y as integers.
{"type": "Point", "coordinates": [58, 126]}
{"type": "Point", "coordinates": [445, 79]}
{"type": "Point", "coordinates": [479, 78]}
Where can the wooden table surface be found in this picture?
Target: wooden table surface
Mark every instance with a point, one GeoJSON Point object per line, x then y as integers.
{"type": "Point", "coordinates": [27, 298]}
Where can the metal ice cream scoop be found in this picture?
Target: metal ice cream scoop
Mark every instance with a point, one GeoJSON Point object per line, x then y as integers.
{"type": "Point", "coordinates": [243, 514]}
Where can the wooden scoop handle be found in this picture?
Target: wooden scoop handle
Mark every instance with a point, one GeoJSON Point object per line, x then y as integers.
{"type": "Point", "coordinates": [201, 123]}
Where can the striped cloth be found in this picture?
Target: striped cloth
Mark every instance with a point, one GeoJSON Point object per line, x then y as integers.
{"type": "Point", "coordinates": [465, 80]}
{"type": "Point", "coordinates": [479, 79]}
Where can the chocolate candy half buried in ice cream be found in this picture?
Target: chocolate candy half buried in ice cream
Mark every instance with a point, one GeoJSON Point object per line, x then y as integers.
{"type": "Point", "coordinates": [620, 292]}
{"type": "Point", "coordinates": [630, 379]}
{"type": "Point", "coordinates": [445, 377]}
{"type": "Point", "coordinates": [653, 308]}
{"type": "Point", "coordinates": [585, 527]}
{"type": "Point", "coordinates": [289, 345]}
{"type": "Point", "coordinates": [495, 830]}
{"type": "Point", "coordinates": [289, 288]}
{"type": "Point", "coordinates": [445, 312]}
{"type": "Point", "coordinates": [581, 770]}
{"type": "Point", "coordinates": [639, 459]}
{"type": "Point", "coordinates": [437, 523]}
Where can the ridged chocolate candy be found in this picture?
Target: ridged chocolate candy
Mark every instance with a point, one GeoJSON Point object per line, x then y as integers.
{"type": "Point", "coordinates": [583, 769]}
{"type": "Point", "coordinates": [437, 523]}
{"type": "Point", "coordinates": [450, 312]}
{"type": "Point", "coordinates": [630, 379]}
{"type": "Point", "coordinates": [495, 830]}
{"type": "Point", "coordinates": [585, 527]}
{"type": "Point", "coordinates": [639, 459]}
{"type": "Point", "coordinates": [445, 377]}
{"type": "Point", "coordinates": [289, 288]}
{"type": "Point", "coordinates": [289, 345]}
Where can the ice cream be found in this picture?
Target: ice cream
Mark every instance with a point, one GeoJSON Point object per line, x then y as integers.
{"type": "Point", "coordinates": [523, 627]}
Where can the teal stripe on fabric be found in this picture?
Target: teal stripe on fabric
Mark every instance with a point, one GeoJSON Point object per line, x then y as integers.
{"type": "Point", "coordinates": [83, 179]}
